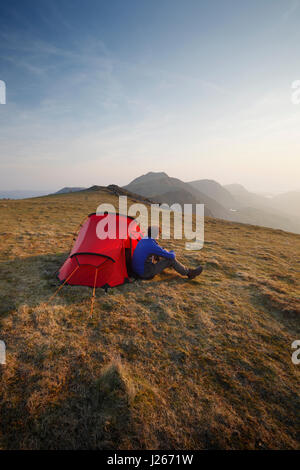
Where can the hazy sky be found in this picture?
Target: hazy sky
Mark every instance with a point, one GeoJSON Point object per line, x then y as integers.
{"type": "Point", "coordinates": [99, 92]}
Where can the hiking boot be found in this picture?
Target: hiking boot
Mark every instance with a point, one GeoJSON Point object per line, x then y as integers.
{"type": "Point", "coordinates": [194, 272]}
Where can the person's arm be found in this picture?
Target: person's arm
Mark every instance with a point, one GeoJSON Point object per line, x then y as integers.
{"type": "Point", "coordinates": [159, 251]}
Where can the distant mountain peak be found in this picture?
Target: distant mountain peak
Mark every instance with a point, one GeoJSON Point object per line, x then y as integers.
{"type": "Point", "coordinates": [67, 189]}
{"type": "Point", "coordinates": [216, 191]}
{"type": "Point", "coordinates": [174, 190]}
{"type": "Point", "coordinates": [235, 187]}
{"type": "Point", "coordinates": [150, 176]}
{"type": "Point", "coordinates": [155, 174]}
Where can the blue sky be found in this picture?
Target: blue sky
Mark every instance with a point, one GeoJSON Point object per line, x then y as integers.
{"type": "Point", "coordinates": [99, 92]}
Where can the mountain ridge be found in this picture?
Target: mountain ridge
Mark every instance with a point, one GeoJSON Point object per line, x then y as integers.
{"type": "Point", "coordinates": [156, 184]}
{"type": "Point", "coordinates": [248, 207]}
{"type": "Point", "coordinates": [216, 191]}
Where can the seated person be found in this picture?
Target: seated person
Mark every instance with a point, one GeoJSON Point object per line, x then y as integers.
{"type": "Point", "coordinates": [148, 251]}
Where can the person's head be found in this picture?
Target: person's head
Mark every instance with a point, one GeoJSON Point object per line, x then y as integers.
{"type": "Point", "coordinates": [153, 232]}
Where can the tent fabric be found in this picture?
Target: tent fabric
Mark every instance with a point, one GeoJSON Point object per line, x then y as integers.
{"type": "Point", "coordinates": [101, 263]}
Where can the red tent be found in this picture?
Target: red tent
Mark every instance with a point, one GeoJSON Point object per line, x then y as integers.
{"type": "Point", "coordinates": [101, 263]}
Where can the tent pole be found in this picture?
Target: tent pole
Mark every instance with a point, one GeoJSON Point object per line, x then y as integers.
{"type": "Point", "coordinates": [62, 285]}
{"type": "Point", "coordinates": [94, 291]}
{"type": "Point", "coordinates": [76, 231]}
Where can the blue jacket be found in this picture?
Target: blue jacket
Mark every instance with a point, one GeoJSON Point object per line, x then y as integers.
{"type": "Point", "coordinates": [147, 247]}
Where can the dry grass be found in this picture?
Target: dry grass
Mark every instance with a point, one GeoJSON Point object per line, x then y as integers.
{"type": "Point", "coordinates": [166, 363]}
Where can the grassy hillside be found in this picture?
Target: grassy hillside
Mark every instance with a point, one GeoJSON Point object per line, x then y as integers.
{"type": "Point", "coordinates": [166, 363]}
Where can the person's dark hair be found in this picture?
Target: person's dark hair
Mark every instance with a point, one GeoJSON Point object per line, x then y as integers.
{"type": "Point", "coordinates": [153, 231]}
